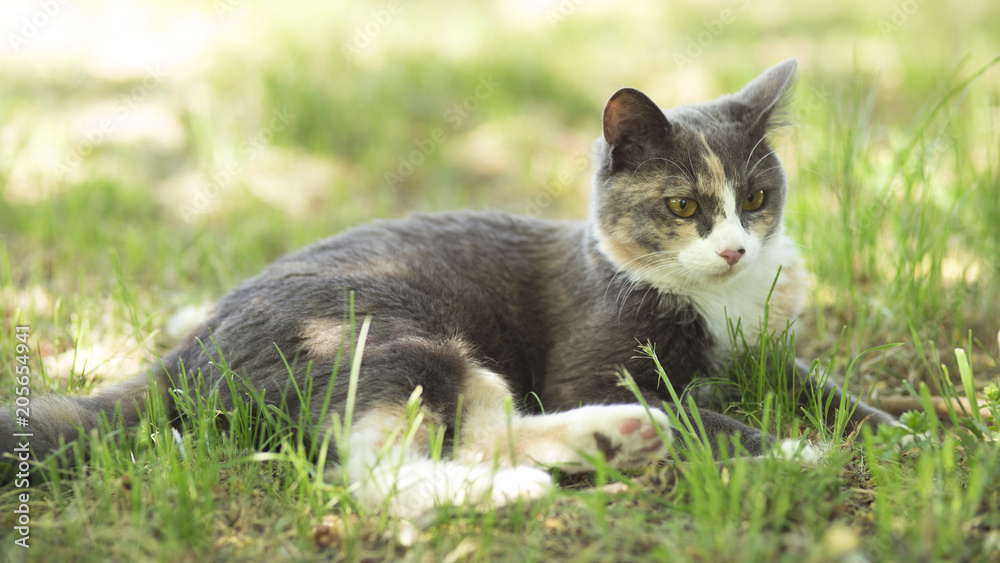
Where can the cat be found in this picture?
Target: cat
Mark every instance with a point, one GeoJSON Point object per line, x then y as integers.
{"type": "Point", "coordinates": [513, 332]}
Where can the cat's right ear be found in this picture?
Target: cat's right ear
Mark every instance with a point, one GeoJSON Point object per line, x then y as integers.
{"type": "Point", "coordinates": [634, 127]}
{"type": "Point", "coordinates": [765, 94]}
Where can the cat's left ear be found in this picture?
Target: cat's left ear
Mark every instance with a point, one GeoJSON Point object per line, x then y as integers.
{"type": "Point", "coordinates": [764, 94]}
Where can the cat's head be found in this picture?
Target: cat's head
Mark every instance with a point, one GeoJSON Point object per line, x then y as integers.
{"type": "Point", "coordinates": [693, 195]}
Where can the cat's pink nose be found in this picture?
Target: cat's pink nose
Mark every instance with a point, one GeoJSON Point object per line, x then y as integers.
{"type": "Point", "coordinates": [733, 256]}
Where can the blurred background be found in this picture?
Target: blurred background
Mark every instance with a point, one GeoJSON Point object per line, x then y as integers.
{"type": "Point", "coordinates": [153, 154]}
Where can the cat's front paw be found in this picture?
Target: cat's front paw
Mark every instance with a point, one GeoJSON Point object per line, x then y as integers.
{"type": "Point", "coordinates": [906, 437]}
{"type": "Point", "coordinates": [800, 451]}
{"type": "Point", "coordinates": [626, 436]}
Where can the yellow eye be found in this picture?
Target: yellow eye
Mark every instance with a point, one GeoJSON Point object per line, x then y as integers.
{"type": "Point", "coordinates": [754, 201]}
{"type": "Point", "coordinates": [682, 207]}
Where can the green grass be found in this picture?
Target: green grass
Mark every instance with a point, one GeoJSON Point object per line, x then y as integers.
{"type": "Point", "coordinates": [894, 197]}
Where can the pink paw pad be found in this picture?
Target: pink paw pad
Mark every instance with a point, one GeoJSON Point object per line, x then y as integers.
{"type": "Point", "coordinates": [630, 426]}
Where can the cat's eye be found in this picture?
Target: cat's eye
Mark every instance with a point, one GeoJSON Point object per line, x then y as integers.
{"type": "Point", "coordinates": [754, 201]}
{"type": "Point", "coordinates": [682, 206]}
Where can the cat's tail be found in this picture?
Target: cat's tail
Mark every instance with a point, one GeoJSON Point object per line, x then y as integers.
{"type": "Point", "coordinates": [34, 429]}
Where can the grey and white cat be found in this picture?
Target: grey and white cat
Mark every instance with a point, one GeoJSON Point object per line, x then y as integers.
{"type": "Point", "coordinates": [479, 310]}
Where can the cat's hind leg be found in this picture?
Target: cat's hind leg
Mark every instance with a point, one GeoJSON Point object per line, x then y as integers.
{"type": "Point", "coordinates": [390, 467]}
{"type": "Point", "coordinates": [388, 458]}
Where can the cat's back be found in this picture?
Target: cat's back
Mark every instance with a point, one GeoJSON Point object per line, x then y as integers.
{"type": "Point", "coordinates": [465, 244]}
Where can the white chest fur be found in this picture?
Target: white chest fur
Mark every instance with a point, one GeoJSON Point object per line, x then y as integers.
{"type": "Point", "coordinates": [744, 298]}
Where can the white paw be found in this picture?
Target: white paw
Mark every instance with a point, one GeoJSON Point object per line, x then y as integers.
{"type": "Point", "coordinates": [520, 482]}
{"type": "Point", "coordinates": [417, 488]}
{"type": "Point", "coordinates": [911, 440]}
{"type": "Point", "coordinates": [626, 436]}
{"type": "Point", "coordinates": [799, 450]}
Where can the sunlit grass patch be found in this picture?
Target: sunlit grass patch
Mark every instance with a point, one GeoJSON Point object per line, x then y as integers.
{"type": "Point", "coordinates": [893, 197]}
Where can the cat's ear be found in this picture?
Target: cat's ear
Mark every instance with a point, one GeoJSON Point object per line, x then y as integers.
{"type": "Point", "coordinates": [764, 95]}
{"type": "Point", "coordinates": [634, 127]}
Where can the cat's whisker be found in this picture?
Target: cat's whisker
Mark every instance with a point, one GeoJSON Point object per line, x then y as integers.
{"type": "Point", "coordinates": [761, 159]}
{"type": "Point", "coordinates": [664, 270]}
{"type": "Point", "coordinates": [641, 164]}
{"type": "Point", "coordinates": [628, 277]}
{"type": "Point", "coordinates": [787, 147]}
{"type": "Point", "coordinates": [685, 173]}
{"type": "Point", "coordinates": [807, 169]}
{"type": "Point", "coordinates": [623, 295]}
{"type": "Point", "coordinates": [643, 278]}
{"type": "Point", "coordinates": [625, 292]}
{"type": "Point", "coordinates": [778, 167]}
{"type": "Point", "coordinates": [774, 151]}
{"type": "Point", "coordinates": [641, 301]}
{"type": "Point", "coordinates": [672, 176]}
{"type": "Point", "coordinates": [622, 270]}
{"type": "Point", "coordinates": [804, 146]}
{"type": "Point", "coordinates": [690, 162]}
{"type": "Point", "coordinates": [762, 139]}
{"type": "Point", "coordinates": [670, 273]}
